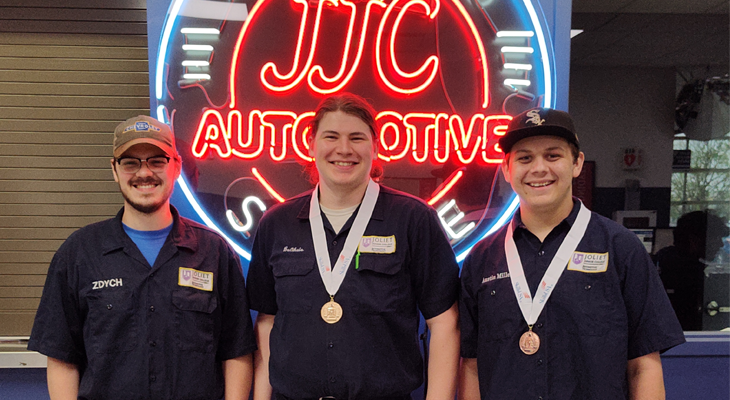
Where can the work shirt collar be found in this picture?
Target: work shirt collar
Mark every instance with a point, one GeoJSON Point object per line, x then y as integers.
{"type": "Point", "coordinates": [182, 235]}
{"type": "Point", "coordinates": [568, 221]}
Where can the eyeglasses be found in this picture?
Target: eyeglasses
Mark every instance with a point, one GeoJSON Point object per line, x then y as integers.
{"type": "Point", "coordinates": [131, 165]}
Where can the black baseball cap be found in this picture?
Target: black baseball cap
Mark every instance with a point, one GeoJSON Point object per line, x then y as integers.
{"type": "Point", "coordinates": [539, 121]}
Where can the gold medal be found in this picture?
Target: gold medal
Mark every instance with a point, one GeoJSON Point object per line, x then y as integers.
{"type": "Point", "coordinates": [529, 342]}
{"type": "Point", "coordinates": [331, 311]}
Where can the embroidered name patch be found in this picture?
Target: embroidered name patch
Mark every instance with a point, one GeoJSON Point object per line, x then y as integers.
{"type": "Point", "coordinates": [588, 262]}
{"type": "Point", "coordinates": [107, 283]}
{"type": "Point", "coordinates": [500, 275]}
{"type": "Point", "coordinates": [377, 244]}
{"type": "Point", "coordinates": [193, 278]}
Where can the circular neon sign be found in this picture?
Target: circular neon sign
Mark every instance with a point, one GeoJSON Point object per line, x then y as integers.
{"type": "Point", "coordinates": [238, 84]}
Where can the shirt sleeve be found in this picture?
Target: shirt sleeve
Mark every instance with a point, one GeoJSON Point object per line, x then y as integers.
{"type": "Point", "coordinates": [468, 311]}
{"type": "Point", "coordinates": [433, 266]}
{"type": "Point", "coordinates": [261, 290]}
{"type": "Point", "coordinates": [652, 323]}
{"type": "Point", "coordinates": [237, 336]}
{"type": "Point", "coordinates": [58, 328]}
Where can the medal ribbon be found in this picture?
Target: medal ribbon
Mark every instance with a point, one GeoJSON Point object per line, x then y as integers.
{"type": "Point", "coordinates": [333, 276]}
{"type": "Point", "coordinates": [531, 308]}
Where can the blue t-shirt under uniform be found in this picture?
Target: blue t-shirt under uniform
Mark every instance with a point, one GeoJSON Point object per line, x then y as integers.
{"type": "Point", "coordinates": [149, 242]}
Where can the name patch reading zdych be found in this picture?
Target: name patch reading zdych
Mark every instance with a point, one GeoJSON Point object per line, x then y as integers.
{"type": "Point", "coordinates": [107, 283]}
{"type": "Point", "coordinates": [377, 244]}
{"type": "Point", "coordinates": [195, 279]}
{"type": "Point", "coordinates": [588, 262]}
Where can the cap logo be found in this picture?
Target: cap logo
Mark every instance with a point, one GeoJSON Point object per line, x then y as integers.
{"type": "Point", "coordinates": [142, 126]}
{"type": "Point", "coordinates": [534, 117]}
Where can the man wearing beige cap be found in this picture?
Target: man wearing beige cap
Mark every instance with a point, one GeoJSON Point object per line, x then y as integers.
{"type": "Point", "coordinates": [147, 305]}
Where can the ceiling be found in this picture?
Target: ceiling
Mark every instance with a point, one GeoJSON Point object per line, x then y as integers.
{"type": "Point", "coordinates": [652, 33]}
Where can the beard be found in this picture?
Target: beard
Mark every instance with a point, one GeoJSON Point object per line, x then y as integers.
{"type": "Point", "coordinates": [145, 208]}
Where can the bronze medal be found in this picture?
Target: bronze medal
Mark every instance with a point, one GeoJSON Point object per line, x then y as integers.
{"type": "Point", "coordinates": [331, 311]}
{"type": "Point", "coordinates": [529, 342]}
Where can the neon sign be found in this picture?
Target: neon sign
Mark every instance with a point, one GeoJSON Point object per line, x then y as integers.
{"type": "Point", "coordinates": [438, 136]}
{"type": "Point", "coordinates": [238, 85]}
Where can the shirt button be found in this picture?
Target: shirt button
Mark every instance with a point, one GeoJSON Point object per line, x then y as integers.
{"type": "Point", "coordinates": [539, 397]}
{"type": "Point", "coordinates": [588, 287]}
{"type": "Point", "coordinates": [541, 253]}
{"type": "Point", "coordinates": [330, 345]}
{"type": "Point", "coordinates": [108, 306]}
{"type": "Point", "coordinates": [539, 325]}
{"type": "Point", "coordinates": [152, 308]}
{"type": "Point", "coordinates": [152, 274]}
{"type": "Point", "coordinates": [539, 362]}
{"type": "Point", "coordinates": [334, 243]}
{"type": "Point", "coordinates": [332, 379]}
{"type": "Point", "coordinates": [493, 292]}
{"type": "Point", "coordinates": [153, 343]}
{"type": "Point", "coordinates": [153, 378]}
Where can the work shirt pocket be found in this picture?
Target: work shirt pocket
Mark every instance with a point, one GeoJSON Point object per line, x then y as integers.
{"type": "Point", "coordinates": [194, 319]}
{"type": "Point", "coordinates": [582, 305]}
{"type": "Point", "coordinates": [295, 281]}
{"type": "Point", "coordinates": [499, 314]}
{"type": "Point", "coordinates": [378, 285]}
{"type": "Point", "coordinates": [111, 321]}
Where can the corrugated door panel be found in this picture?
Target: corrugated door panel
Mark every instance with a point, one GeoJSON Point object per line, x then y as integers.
{"type": "Point", "coordinates": [70, 71]}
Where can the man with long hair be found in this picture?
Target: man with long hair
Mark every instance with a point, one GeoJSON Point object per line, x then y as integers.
{"type": "Point", "coordinates": [338, 275]}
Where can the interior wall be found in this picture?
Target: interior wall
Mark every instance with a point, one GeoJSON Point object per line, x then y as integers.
{"type": "Point", "coordinates": [621, 107]}
{"type": "Point", "coordinates": [70, 71]}
{"type": "Point", "coordinates": [626, 107]}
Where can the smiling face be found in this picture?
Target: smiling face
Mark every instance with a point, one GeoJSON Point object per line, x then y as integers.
{"type": "Point", "coordinates": [146, 191]}
{"type": "Point", "coordinates": [343, 150]}
{"type": "Point", "coordinates": [541, 171]}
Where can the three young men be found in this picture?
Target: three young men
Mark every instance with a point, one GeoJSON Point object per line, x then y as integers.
{"type": "Point", "coordinates": [150, 305]}
{"type": "Point", "coordinates": [561, 303]}
{"type": "Point", "coordinates": [147, 305]}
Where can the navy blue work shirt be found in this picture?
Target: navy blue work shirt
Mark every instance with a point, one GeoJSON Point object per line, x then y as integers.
{"type": "Point", "coordinates": [373, 351]}
{"type": "Point", "coordinates": [596, 319]}
{"type": "Point", "coordinates": [141, 332]}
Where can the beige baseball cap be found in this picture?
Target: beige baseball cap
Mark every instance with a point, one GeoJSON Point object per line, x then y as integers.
{"type": "Point", "coordinates": [144, 129]}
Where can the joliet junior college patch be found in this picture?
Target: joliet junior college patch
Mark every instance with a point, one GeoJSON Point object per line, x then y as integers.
{"type": "Point", "coordinates": [193, 278]}
{"type": "Point", "coordinates": [588, 262]}
{"type": "Point", "coordinates": [377, 244]}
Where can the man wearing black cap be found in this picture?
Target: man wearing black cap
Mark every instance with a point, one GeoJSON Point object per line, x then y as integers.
{"type": "Point", "coordinates": [560, 303]}
{"type": "Point", "coordinates": [147, 305]}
